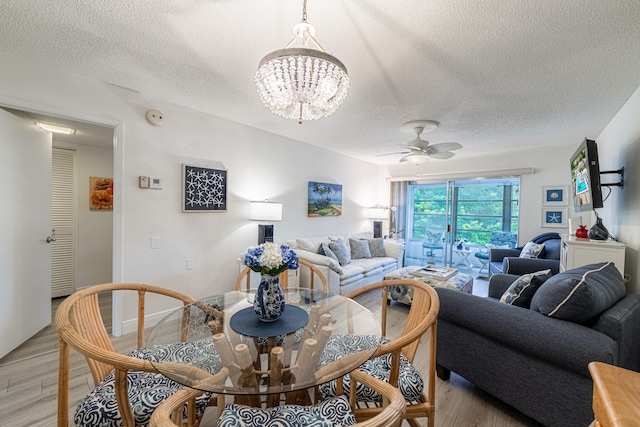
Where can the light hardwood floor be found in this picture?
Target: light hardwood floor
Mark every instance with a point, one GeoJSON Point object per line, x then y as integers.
{"type": "Point", "coordinates": [28, 384]}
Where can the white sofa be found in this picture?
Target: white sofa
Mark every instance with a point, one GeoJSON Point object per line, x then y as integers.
{"type": "Point", "coordinates": [359, 272]}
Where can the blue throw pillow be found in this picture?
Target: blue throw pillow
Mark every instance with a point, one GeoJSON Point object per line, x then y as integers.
{"type": "Point", "coordinates": [359, 248]}
{"type": "Point", "coordinates": [580, 294]}
{"type": "Point", "coordinates": [341, 251]}
{"type": "Point", "coordinates": [376, 246]}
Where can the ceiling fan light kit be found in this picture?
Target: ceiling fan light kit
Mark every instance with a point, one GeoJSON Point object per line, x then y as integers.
{"type": "Point", "coordinates": [302, 83]}
{"type": "Point", "coordinates": [416, 159]}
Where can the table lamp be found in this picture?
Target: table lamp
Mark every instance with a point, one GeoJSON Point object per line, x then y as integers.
{"type": "Point", "coordinates": [265, 211]}
{"type": "Point", "coordinates": [378, 215]}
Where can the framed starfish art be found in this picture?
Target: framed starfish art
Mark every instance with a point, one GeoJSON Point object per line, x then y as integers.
{"type": "Point", "coordinates": [204, 189]}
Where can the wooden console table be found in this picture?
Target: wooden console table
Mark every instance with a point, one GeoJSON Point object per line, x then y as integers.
{"type": "Point", "coordinates": [616, 395]}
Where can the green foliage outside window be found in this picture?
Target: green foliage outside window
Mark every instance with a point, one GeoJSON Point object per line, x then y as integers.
{"type": "Point", "coordinates": [478, 209]}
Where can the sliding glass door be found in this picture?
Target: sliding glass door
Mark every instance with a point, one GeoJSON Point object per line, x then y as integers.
{"type": "Point", "coordinates": [448, 221]}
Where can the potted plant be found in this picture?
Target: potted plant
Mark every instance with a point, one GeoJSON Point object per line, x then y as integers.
{"type": "Point", "coordinates": [393, 233]}
{"type": "Point", "coordinates": [460, 243]}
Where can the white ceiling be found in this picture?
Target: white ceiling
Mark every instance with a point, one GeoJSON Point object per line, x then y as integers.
{"type": "Point", "coordinates": [497, 74]}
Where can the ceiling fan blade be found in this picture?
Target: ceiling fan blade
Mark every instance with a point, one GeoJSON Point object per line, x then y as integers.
{"type": "Point", "coordinates": [445, 146]}
{"type": "Point", "coordinates": [441, 155]}
{"type": "Point", "coordinates": [389, 154]}
{"type": "Point", "coordinates": [413, 147]}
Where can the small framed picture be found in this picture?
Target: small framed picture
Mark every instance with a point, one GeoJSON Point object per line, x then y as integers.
{"type": "Point", "coordinates": [203, 189]}
{"type": "Point", "coordinates": [555, 195]}
{"type": "Point", "coordinates": [554, 217]}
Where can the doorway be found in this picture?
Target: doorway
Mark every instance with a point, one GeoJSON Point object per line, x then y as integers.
{"type": "Point", "coordinates": [82, 239]}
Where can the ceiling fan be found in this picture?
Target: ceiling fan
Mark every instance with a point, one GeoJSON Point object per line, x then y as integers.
{"type": "Point", "coordinates": [419, 149]}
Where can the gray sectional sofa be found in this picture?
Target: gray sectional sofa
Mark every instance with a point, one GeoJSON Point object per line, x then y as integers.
{"type": "Point", "coordinates": [536, 362]}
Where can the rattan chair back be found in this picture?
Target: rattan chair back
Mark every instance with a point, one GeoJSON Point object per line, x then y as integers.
{"type": "Point", "coordinates": [420, 321]}
{"type": "Point", "coordinates": [169, 413]}
{"type": "Point", "coordinates": [80, 326]}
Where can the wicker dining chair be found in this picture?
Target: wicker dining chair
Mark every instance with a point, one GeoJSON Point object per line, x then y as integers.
{"type": "Point", "coordinates": [118, 377]}
{"type": "Point", "coordinates": [169, 413]}
{"type": "Point", "coordinates": [393, 361]}
{"type": "Point", "coordinates": [308, 272]}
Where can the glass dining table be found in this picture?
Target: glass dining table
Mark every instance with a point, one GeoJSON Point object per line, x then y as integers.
{"type": "Point", "coordinates": [319, 337]}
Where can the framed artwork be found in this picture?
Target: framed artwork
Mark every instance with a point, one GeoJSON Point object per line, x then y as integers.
{"type": "Point", "coordinates": [203, 189]}
{"type": "Point", "coordinates": [554, 217]}
{"type": "Point", "coordinates": [100, 193]}
{"type": "Point", "coordinates": [555, 195]}
{"type": "Point", "coordinates": [324, 199]}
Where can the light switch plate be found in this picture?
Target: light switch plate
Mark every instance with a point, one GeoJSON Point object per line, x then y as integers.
{"type": "Point", "coordinates": [155, 243]}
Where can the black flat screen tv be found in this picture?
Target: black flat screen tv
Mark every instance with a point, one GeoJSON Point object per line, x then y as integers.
{"type": "Point", "coordinates": [585, 177]}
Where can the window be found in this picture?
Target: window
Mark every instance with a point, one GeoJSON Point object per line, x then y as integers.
{"type": "Point", "coordinates": [476, 208]}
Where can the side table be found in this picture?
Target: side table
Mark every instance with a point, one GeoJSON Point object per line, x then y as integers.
{"type": "Point", "coordinates": [616, 395]}
{"type": "Point", "coordinates": [464, 257]}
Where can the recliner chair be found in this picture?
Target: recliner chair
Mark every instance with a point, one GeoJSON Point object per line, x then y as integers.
{"type": "Point", "coordinates": [497, 238]}
{"type": "Point", "coordinates": [508, 261]}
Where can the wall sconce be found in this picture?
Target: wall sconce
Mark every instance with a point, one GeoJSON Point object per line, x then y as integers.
{"type": "Point", "coordinates": [265, 211]}
{"type": "Point", "coordinates": [378, 214]}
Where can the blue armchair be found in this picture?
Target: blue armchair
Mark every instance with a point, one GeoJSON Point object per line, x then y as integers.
{"type": "Point", "coordinates": [508, 261]}
{"type": "Point", "coordinates": [497, 239]}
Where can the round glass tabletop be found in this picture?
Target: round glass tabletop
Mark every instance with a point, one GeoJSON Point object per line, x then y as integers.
{"type": "Point", "coordinates": [326, 337]}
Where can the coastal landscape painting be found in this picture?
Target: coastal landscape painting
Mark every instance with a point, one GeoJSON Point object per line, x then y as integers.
{"type": "Point", "coordinates": [325, 199]}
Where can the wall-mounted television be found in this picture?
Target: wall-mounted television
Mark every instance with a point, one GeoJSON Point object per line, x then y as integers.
{"type": "Point", "coordinates": [585, 177]}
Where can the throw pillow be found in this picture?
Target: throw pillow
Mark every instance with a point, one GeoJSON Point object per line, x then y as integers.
{"type": "Point", "coordinates": [306, 244]}
{"type": "Point", "coordinates": [524, 287]}
{"type": "Point", "coordinates": [330, 412]}
{"type": "Point", "coordinates": [580, 294]}
{"type": "Point", "coordinates": [341, 251]}
{"type": "Point", "coordinates": [326, 250]}
{"type": "Point", "coordinates": [359, 248]}
{"type": "Point", "coordinates": [532, 250]}
{"type": "Point", "coordinates": [376, 246]}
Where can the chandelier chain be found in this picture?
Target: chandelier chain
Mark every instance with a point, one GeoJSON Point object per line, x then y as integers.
{"type": "Point", "coordinates": [304, 11]}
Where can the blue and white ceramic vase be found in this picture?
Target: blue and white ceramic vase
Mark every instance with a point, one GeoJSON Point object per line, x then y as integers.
{"type": "Point", "coordinates": [269, 301]}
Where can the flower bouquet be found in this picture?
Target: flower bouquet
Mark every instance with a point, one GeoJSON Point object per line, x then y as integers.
{"type": "Point", "coordinates": [269, 259]}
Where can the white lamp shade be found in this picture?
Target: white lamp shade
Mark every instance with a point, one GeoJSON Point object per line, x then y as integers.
{"type": "Point", "coordinates": [265, 211]}
{"type": "Point", "coordinates": [378, 213]}
{"type": "Point", "coordinates": [417, 159]}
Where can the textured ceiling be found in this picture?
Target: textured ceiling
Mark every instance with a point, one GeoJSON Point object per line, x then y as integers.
{"type": "Point", "coordinates": [498, 75]}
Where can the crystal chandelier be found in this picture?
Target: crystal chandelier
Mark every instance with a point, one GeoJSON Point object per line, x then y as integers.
{"type": "Point", "coordinates": [301, 82]}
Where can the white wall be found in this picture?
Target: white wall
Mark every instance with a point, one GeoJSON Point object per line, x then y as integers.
{"type": "Point", "coordinates": [94, 236]}
{"type": "Point", "coordinates": [619, 146]}
{"type": "Point", "coordinates": [260, 165]}
{"type": "Point", "coordinates": [551, 167]}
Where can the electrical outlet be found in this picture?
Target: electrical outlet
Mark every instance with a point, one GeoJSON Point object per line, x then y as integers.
{"type": "Point", "coordinates": [191, 264]}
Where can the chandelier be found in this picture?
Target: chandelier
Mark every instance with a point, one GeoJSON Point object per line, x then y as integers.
{"type": "Point", "coordinates": [302, 83]}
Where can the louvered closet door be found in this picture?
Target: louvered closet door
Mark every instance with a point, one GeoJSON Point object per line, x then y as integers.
{"type": "Point", "coordinates": [63, 223]}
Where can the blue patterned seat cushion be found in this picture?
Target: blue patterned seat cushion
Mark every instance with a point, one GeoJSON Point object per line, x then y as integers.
{"type": "Point", "coordinates": [334, 412]}
{"type": "Point", "coordinates": [146, 389]}
{"type": "Point", "coordinates": [410, 381]}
